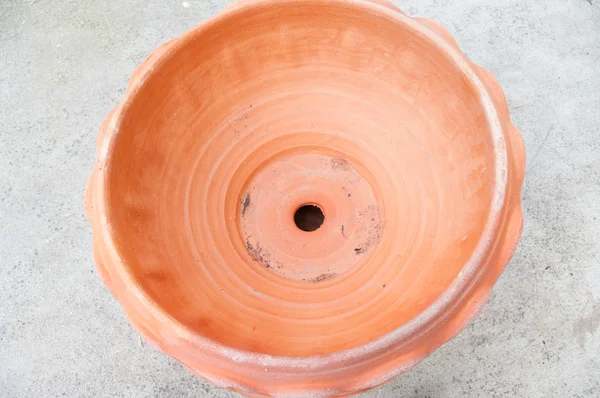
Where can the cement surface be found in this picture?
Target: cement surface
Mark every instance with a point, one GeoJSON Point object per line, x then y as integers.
{"type": "Point", "coordinates": [65, 64]}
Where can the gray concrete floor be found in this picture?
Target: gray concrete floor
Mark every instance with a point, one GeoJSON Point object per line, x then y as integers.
{"type": "Point", "coordinates": [64, 64]}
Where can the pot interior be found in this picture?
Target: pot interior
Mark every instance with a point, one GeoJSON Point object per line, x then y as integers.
{"type": "Point", "coordinates": [299, 180]}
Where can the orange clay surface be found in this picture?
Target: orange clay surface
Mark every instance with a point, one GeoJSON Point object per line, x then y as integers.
{"type": "Point", "coordinates": [403, 148]}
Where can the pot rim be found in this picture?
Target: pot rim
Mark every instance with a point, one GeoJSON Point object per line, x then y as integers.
{"type": "Point", "coordinates": [399, 337]}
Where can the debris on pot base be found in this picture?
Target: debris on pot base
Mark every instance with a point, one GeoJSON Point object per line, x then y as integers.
{"type": "Point", "coordinates": [320, 188]}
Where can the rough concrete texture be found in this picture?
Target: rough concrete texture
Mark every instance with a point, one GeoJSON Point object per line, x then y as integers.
{"type": "Point", "coordinates": [64, 64]}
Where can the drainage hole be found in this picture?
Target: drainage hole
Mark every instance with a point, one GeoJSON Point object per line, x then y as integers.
{"type": "Point", "coordinates": [309, 218]}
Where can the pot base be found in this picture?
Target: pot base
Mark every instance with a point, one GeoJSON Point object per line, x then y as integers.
{"type": "Point", "coordinates": [351, 227]}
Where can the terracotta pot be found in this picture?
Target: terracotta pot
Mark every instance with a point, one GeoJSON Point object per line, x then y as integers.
{"type": "Point", "coordinates": [306, 198]}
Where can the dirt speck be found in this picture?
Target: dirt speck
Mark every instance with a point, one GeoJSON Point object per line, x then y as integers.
{"type": "Point", "coordinates": [339, 163]}
{"type": "Point", "coordinates": [258, 254]}
{"type": "Point", "coordinates": [245, 204]}
{"type": "Point", "coordinates": [371, 220]}
{"type": "Point", "coordinates": [323, 277]}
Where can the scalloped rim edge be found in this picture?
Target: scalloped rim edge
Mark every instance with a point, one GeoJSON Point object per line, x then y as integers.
{"type": "Point", "coordinates": [392, 348]}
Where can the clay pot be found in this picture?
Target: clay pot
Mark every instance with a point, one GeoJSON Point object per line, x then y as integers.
{"type": "Point", "coordinates": [306, 198]}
